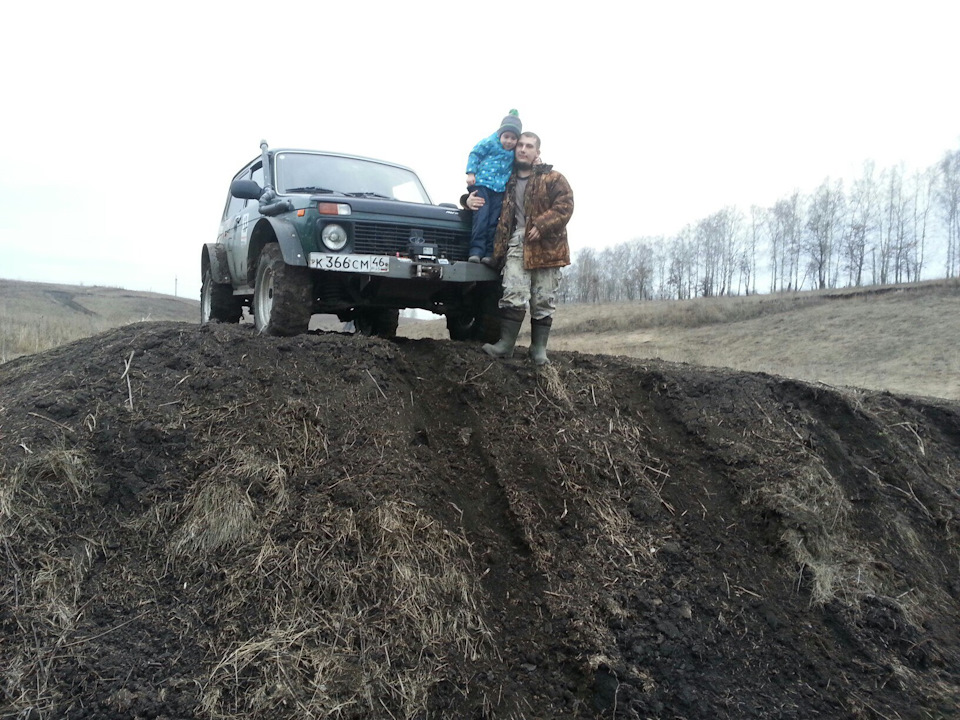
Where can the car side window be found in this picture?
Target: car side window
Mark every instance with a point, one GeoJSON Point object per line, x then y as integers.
{"type": "Point", "coordinates": [235, 205]}
{"type": "Point", "coordinates": [257, 177]}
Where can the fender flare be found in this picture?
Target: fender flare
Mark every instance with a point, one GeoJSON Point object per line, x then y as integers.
{"type": "Point", "coordinates": [282, 232]}
{"type": "Point", "coordinates": [214, 256]}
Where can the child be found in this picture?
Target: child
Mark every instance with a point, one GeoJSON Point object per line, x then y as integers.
{"type": "Point", "coordinates": [488, 169]}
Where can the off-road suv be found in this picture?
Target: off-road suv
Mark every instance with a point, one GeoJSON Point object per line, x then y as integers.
{"type": "Point", "coordinates": [307, 232]}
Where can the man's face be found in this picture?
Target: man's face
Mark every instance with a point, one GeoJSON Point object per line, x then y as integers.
{"type": "Point", "coordinates": [526, 152]}
{"type": "Point", "coordinates": [508, 140]}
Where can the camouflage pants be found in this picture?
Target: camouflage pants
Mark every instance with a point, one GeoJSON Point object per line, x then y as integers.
{"type": "Point", "coordinates": [521, 287]}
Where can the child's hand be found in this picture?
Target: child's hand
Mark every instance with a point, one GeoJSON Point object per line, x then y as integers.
{"type": "Point", "coordinates": [471, 179]}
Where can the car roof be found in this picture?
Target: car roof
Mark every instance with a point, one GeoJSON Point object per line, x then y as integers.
{"type": "Point", "coordinates": [274, 151]}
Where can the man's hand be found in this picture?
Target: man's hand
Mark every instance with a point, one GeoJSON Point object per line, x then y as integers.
{"type": "Point", "coordinates": [533, 233]}
{"type": "Point", "coordinates": [471, 179]}
{"type": "Point", "coordinates": [474, 201]}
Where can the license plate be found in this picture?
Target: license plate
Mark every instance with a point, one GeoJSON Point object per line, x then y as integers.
{"type": "Point", "coordinates": [350, 263]}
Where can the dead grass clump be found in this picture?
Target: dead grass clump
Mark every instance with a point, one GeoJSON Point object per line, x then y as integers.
{"type": "Point", "coordinates": [58, 472]}
{"type": "Point", "coordinates": [220, 514]}
{"type": "Point", "coordinates": [45, 567]}
{"type": "Point", "coordinates": [41, 483]}
{"type": "Point", "coordinates": [262, 473]}
{"type": "Point", "coordinates": [548, 379]}
{"type": "Point", "coordinates": [219, 511]}
{"type": "Point", "coordinates": [364, 611]}
{"type": "Point", "coordinates": [814, 510]}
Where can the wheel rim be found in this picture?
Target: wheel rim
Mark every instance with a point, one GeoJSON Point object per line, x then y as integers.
{"type": "Point", "coordinates": [264, 299]}
{"type": "Point", "coordinates": [206, 301]}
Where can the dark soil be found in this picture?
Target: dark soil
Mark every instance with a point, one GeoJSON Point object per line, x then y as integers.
{"type": "Point", "coordinates": [199, 522]}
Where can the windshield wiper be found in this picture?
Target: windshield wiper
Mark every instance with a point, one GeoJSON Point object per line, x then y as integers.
{"type": "Point", "coordinates": [312, 189]}
{"type": "Point", "coordinates": [368, 194]}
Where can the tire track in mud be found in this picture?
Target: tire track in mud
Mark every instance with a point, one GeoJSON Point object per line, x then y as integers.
{"type": "Point", "coordinates": [479, 489]}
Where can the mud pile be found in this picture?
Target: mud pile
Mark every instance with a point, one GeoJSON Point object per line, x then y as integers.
{"type": "Point", "coordinates": [204, 523]}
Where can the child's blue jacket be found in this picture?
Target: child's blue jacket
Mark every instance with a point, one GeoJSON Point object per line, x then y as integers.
{"type": "Point", "coordinates": [491, 163]}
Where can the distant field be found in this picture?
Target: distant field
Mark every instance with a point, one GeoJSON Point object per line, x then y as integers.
{"type": "Point", "coordinates": [904, 339]}
{"type": "Point", "coordinates": [38, 316]}
{"type": "Point", "coordinates": [898, 338]}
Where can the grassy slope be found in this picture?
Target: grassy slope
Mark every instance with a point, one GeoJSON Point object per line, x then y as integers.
{"type": "Point", "coordinates": [38, 316]}
{"type": "Point", "coordinates": [902, 339]}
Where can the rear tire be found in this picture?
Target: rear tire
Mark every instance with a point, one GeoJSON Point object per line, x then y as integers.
{"type": "Point", "coordinates": [478, 320]}
{"type": "Point", "coordinates": [282, 296]}
{"type": "Point", "coordinates": [379, 322]}
{"type": "Point", "coordinates": [217, 301]}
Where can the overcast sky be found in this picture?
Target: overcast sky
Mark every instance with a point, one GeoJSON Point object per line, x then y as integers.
{"type": "Point", "coordinates": [124, 122]}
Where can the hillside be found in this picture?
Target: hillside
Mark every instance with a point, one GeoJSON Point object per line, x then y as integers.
{"type": "Point", "coordinates": [199, 522]}
{"type": "Point", "coordinates": [39, 316]}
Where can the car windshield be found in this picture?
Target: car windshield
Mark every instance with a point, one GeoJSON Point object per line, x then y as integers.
{"type": "Point", "coordinates": [310, 172]}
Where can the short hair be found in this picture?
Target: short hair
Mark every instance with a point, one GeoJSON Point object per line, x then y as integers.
{"type": "Point", "coordinates": [534, 136]}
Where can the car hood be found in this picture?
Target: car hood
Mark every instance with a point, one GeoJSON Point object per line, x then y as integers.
{"type": "Point", "coordinates": [380, 206]}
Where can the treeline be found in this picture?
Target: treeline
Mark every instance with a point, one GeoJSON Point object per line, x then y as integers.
{"type": "Point", "coordinates": [886, 227]}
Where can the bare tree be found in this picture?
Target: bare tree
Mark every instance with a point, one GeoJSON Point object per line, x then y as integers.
{"type": "Point", "coordinates": [759, 222]}
{"type": "Point", "coordinates": [923, 184]}
{"type": "Point", "coordinates": [682, 268]}
{"type": "Point", "coordinates": [584, 277]}
{"type": "Point", "coordinates": [823, 230]}
{"type": "Point", "coordinates": [862, 224]}
{"type": "Point", "coordinates": [948, 200]}
{"type": "Point", "coordinates": [785, 229]}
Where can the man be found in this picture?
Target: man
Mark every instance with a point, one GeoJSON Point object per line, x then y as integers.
{"type": "Point", "coordinates": [531, 247]}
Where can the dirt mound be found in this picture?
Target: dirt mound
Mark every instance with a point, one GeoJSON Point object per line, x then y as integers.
{"type": "Point", "coordinates": [204, 523]}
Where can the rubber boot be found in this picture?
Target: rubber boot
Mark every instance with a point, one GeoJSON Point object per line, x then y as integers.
{"type": "Point", "coordinates": [510, 322]}
{"type": "Point", "coordinates": [539, 334]}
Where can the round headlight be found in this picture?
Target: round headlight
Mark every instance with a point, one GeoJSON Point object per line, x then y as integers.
{"type": "Point", "coordinates": [334, 237]}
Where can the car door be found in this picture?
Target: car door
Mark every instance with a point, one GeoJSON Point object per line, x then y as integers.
{"type": "Point", "coordinates": [228, 233]}
{"type": "Point", "coordinates": [244, 224]}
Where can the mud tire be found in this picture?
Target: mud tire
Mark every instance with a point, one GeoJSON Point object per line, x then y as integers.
{"type": "Point", "coordinates": [378, 322]}
{"type": "Point", "coordinates": [217, 301]}
{"type": "Point", "coordinates": [478, 321]}
{"type": "Point", "coordinates": [282, 295]}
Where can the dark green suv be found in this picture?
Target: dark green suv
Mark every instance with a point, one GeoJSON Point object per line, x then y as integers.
{"type": "Point", "coordinates": [307, 232]}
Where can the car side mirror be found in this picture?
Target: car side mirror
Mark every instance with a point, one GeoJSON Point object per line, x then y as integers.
{"type": "Point", "coordinates": [246, 189]}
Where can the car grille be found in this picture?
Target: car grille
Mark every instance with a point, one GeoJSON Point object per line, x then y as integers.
{"type": "Point", "coordinates": [386, 239]}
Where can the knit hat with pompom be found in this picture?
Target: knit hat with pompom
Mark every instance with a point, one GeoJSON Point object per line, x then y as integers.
{"type": "Point", "coordinates": [511, 123]}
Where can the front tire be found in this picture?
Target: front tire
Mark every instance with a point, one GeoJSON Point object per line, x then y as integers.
{"type": "Point", "coordinates": [282, 296]}
{"type": "Point", "coordinates": [217, 302]}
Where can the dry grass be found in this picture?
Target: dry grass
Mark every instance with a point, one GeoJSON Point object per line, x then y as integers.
{"type": "Point", "coordinates": [836, 559]}
{"type": "Point", "coordinates": [44, 585]}
{"type": "Point", "coordinates": [38, 316]}
{"type": "Point", "coordinates": [369, 606]}
{"type": "Point", "coordinates": [219, 511]}
{"type": "Point", "coordinates": [813, 509]}
{"type": "Point", "coordinates": [355, 613]}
